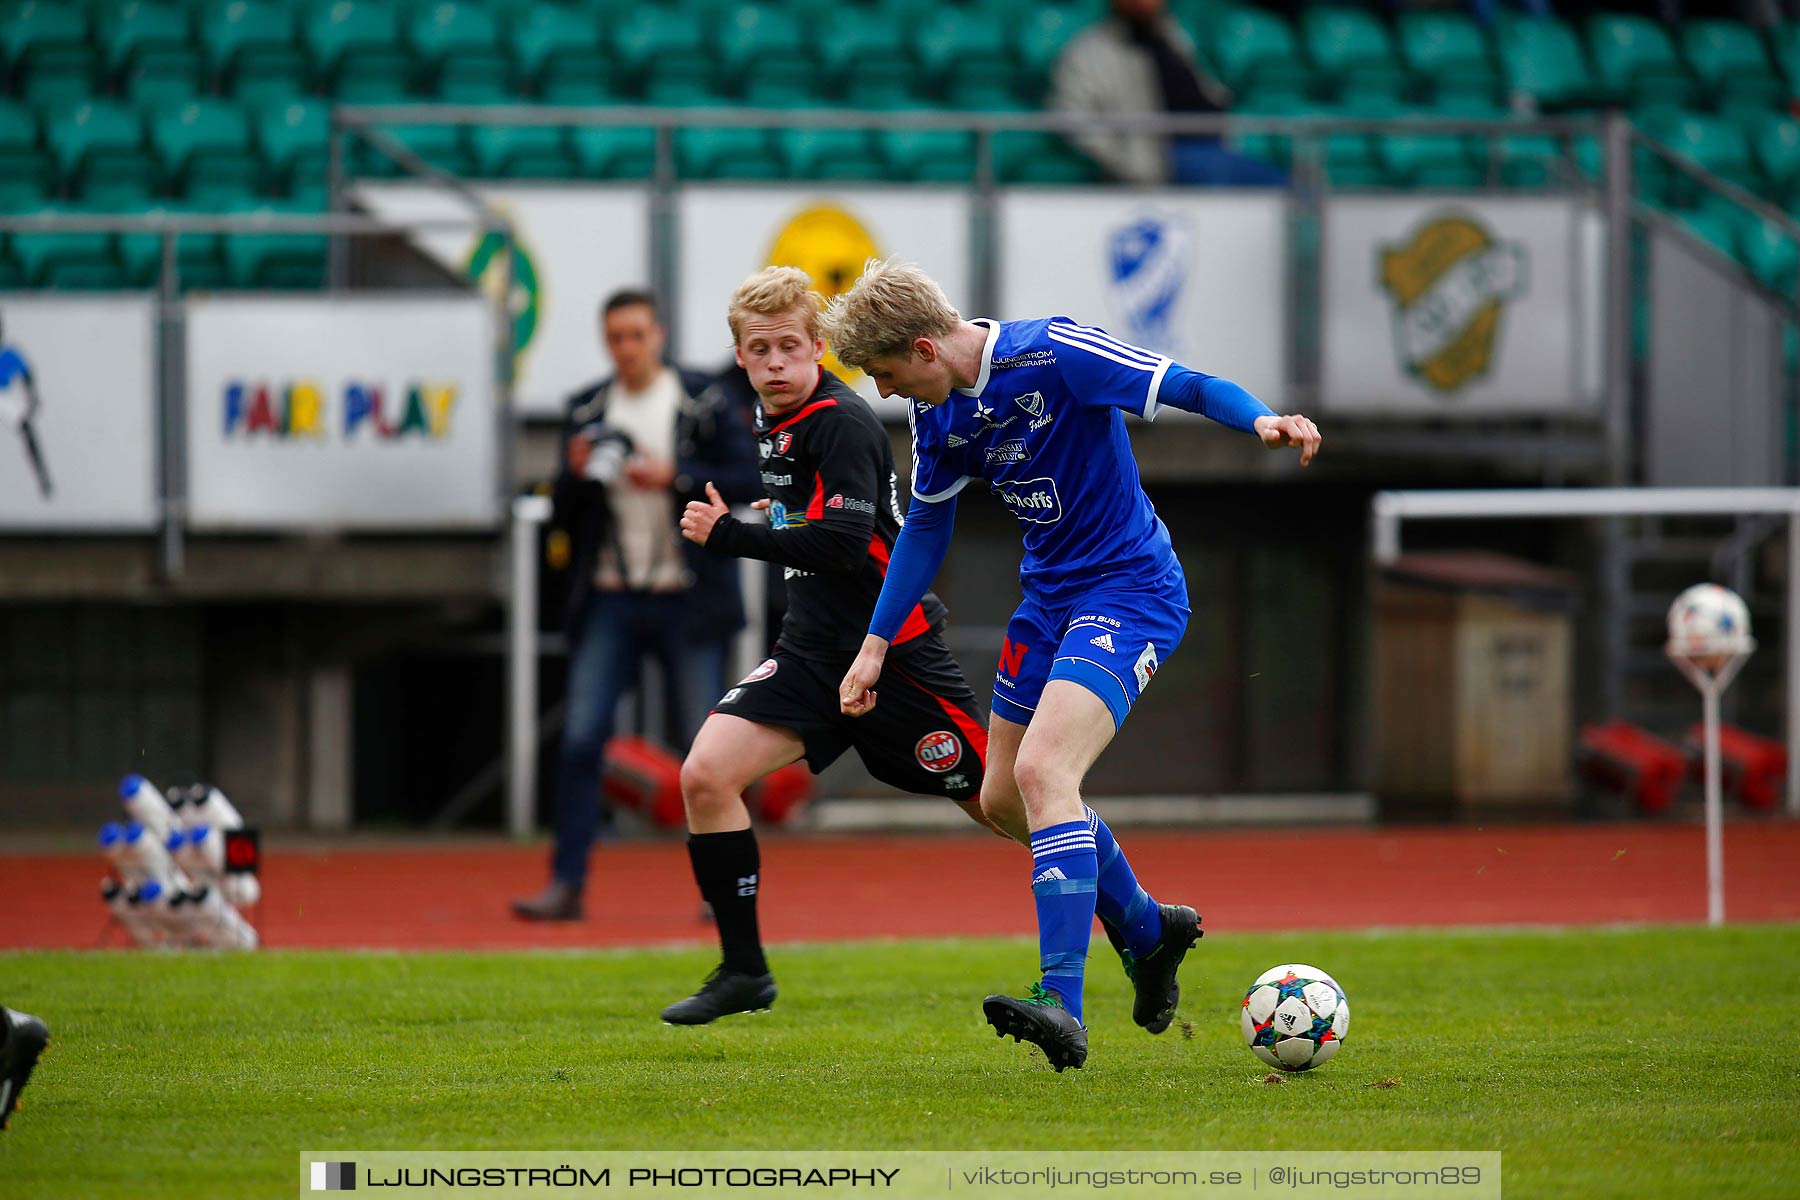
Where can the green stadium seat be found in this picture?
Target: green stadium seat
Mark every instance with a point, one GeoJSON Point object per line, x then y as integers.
{"type": "Point", "coordinates": [682, 82]}
{"type": "Point", "coordinates": [1770, 254]}
{"type": "Point", "coordinates": [356, 49]}
{"type": "Point", "coordinates": [250, 50]}
{"type": "Point", "coordinates": [866, 60]}
{"type": "Point", "coordinates": [1541, 58]}
{"type": "Point", "coordinates": [1449, 53]}
{"type": "Point", "coordinates": [1634, 55]}
{"type": "Point", "coordinates": [1351, 52]}
{"type": "Point", "coordinates": [1714, 143]}
{"type": "Point", "coordinates": [275, 260]}
{"type": "Point", "coordinates": [801, 90]}
{"type": "Point", "coordinates": [440, 146]}
{"type": "Point", "coordinates": [519, 152]}
{"type": "Point", "coordinates": [761, 41]}
{"type": "Point", "coordinates": [1728, 59]}
{"type": "Point", "coordinates": [1528, 160]}
{"type": "Point", "coordinates": [101, 142]}
{"type": "Point", "coordinates": [603, 152]}
{"type": "Point", "coordinates": [725, 154]}
{"type": "Point", "coordinates": [205, 147]}
{"type": "Point", "coordinates": [295, 140]}
{"type": "Point", "coordinates": [1257, 54]}
{"type": "Point", "coordinates": [1430, 160]}
{"type": "Point", "coordinates": [1038, 35]}
{"type": "Point", "coordinates": [1269, 146]}
{"type": "Point", "coordinates": [670, 43]}
{"type": "Point", "coordinates": [26, 169]}
{"type": "Point", "coordinates": [1351, 159]}
{"type": "Point", "coordinates": [198, 262]}
{"type": "Point", "coordinates": [44, 46]}
{"type": "Point", "coordinates": [1713, 226]}
{"type": "Point", "coordinates": [460, 48]}
{"type": "Point", "coordinates": [1784, 47]}
{"type": "Point", "coordinates": [1036, 156]}
{"type": "Point", "coordinates": [930, 155]}
{"type": "Point", "coordinates": [146, 49]}
{"type": "Point", "coordinates": [67, 260]}
{"type": "Point", "coordinates": [550, 45]}
{"type": "Point", "coordinates": [1775, 141]}
{"type": "Point", "coordinates": [967, 54]}
{"type": "Point", "coordinates": [829, 154]}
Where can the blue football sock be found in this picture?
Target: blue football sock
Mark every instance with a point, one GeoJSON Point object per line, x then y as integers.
{"type": "Point", "coordinates": [1122, 902]}
{"type": "Point", "coordinates": [1063, 871]}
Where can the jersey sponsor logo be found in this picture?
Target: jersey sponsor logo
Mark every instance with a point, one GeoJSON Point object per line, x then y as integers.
{"type": "Point", "coordinates": [1031, 402]}
{"type": "Point", "coordinates": [763, 670]}
{"type": "Point", "coordinates": [1041, 421]}
{"type": "Point", "coordinates": [770, 479]}
{"type": "Point", "coordinates": [1096, 618]}
{"type": "Point", "coordinates": [851, 504]}
{"type": "Point", "coordinates": [1008, 452]}
{"type": "Point", "coordinates": [784, 442]}
{"type": "Point", "coordinates": [1146, 666]}
{"type": "Point", "coordinates": [938, 752]}
{"type": "Point", "coordinates": [732, 696]}
{"type": "Point", "coordinates": [1104, 641]}
{"type": "Point", "coordinates": [1033, 501]}
{"type": "Point", "coordinates": [953, 441]}
{"type": "Point", "coordinates": [1012, 656]}
{"type": "Point", "coordinates": [795, 573]}
{"type": "Point", "coordinates": [763, 450]}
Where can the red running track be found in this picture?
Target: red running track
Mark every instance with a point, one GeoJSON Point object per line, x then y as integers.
{"type": "Point", "coordinates": [453, 894]}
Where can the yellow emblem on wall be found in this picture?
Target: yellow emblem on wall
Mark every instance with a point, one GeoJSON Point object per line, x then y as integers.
{"type": "Point", "coordinates": [1450, 284]}
{"type": "Point", "coordinates": [830, 245]}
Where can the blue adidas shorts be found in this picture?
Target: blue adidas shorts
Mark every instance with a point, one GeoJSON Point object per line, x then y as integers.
{"type": "Point", "coordinates": [1110, 640]}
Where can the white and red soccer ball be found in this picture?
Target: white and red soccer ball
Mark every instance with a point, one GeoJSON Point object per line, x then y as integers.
{"type": "Point", "coordinates": [1295, 1017]}
{"type": "Point", "coordinates": [1708, 625]}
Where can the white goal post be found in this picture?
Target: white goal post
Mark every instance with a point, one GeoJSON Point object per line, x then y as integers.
{"type": "Point", "coordinates": [1388, 510]}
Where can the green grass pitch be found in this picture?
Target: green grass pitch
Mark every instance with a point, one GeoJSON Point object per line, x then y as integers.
{"type": "Point", "coordinates": [1631, 1063]}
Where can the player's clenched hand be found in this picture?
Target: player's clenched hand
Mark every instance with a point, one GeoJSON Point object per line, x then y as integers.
{"type": "Point", "coordinates": [1278, 433]}
{"type": "Point", "coordinates": [701, 515]}
{"type": "Point", "coordinates": [854, 695]}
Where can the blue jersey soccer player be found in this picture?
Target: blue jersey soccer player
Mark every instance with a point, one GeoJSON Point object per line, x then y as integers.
{"type": "Point", "coordinates": [1034, 409]}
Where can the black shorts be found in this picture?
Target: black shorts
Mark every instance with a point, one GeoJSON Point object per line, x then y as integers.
{"type": "Point", "coordinates": [925, 735]}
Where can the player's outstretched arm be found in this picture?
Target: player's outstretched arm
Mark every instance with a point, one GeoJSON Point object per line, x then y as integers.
{"type": "Point", "coordinates": [1233, 406]}
{"type": "Point", "coordinates": [835, 546]}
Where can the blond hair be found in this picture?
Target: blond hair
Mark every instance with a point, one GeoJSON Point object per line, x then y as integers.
{"type": "Point", "coordinates": [890, 307]}
{"type": "Point", "coordinates": [775, 292]}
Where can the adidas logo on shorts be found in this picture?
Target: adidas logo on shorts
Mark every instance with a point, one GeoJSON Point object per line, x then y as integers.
{"type": "Point", "coordinates": [1104, 641]}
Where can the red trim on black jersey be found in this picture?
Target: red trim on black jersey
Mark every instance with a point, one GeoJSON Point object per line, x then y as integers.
{"type": "Point", "coordinates": [815, 508]}
{"type": "Point", "coordinates": [804, 413]}
{"type": "Point", "coordinates": [972, 731]}
{"type": "Point", "coordinates": [915, 624]}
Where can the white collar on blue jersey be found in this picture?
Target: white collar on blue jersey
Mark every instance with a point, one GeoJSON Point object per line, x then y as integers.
{"type": "Point", "coordinates": [987, 356]}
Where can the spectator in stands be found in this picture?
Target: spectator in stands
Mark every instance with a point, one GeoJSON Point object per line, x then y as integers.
{"type": "Point", "coordinates": [1139, 60]}
{"type": "Point", "coordinates": [636, 448]}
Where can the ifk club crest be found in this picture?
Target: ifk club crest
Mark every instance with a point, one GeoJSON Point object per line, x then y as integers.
{"type": "Point", "coordinates": [1450, 285]}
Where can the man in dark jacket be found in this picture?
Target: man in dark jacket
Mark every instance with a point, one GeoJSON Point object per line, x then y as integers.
{"type": "Point", "coordinates": [636, 448]}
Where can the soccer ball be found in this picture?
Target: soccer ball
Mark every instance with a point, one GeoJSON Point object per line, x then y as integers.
{"type": "Point", "coordinates": [1707, 625]}
{"type": "Point", "coordinates": [1295, 1017]}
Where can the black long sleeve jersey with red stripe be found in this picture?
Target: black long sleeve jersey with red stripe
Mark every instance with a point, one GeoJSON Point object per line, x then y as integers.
{"type": "Point", "coordinates": [834, 513]}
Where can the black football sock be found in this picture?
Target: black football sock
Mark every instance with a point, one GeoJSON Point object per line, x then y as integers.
{"type": "Point", "coordinates": [726, 866]}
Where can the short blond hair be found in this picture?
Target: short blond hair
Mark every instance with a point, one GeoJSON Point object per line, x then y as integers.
{"type": "Point", "coordinates": [891, 306]}
{"type": "Point", "coordinates": [775, 292]}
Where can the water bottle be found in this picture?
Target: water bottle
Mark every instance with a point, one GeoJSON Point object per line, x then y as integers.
{"type": "Point", "coordinates": [147, 806]}
{"type": "Point", "coordinates": [112, 846]}
{"type": "Point", "coordinates": [148, 857]}
{"type": "Point", "coordinates": [151, 901]}
{"type": "Point", "coordinates": [216, 923]}
{"type": "Point", "coordinates": [212, 808]}
{"type": "Point", "coordinates": [117, 899]}
{"type": "Point", "coordinates": [206, 847]}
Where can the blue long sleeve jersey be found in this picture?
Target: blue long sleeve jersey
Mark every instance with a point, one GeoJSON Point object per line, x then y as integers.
{"type": "Point", "coordinates": [1044, 428]}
